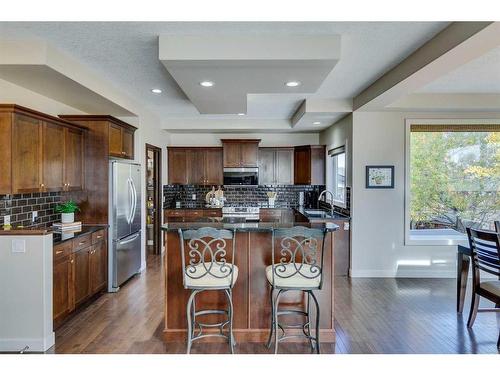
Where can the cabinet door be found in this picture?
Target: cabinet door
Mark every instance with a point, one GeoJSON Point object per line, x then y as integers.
{"type": "Point", "coordinates": [5, 153]}
{"type": "Point", "coordinates": [73, 159]}
{"type": "Point", "coordinates": [52, 157]}
{"type": "Point", "coordinates": [302, 166]}
{"type": "Point", "coordinates": [26, 155]}
{"type": "Point", "coordinates": [232, 155]}
{"type": "Point", "coordinates": [177, 166]}
{"type": "Point", "coordinates": [196, 166]}
{"type": "Point", "coordinates": [82, 275]}
{"type": "Point", "coordinates": [213, 167]}
{"type": "Point", "coordinates": [284, 166]}
{"type": "Point", "coordinates": [61, 287]}
{"type": "Point", "coordinates": [115, 140]}
{"type": "Point", "coordinates": [98, 266]}
{"type": "Point", "coordinates": [249, 154]}
{"type": "Point", "coordinates": [128, 144]}
{"type": "Point", "coordinates": [267, 167]}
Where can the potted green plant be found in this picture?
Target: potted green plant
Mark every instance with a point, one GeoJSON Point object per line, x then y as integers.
{"type": "Point", "coordinates": [67, 211]}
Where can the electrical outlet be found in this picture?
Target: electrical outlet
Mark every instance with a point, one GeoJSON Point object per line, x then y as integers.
{"type": "Point", "coordinates": [6, 220]}
{"type": "Point", "coordinates": [193, 197]}
{"type": "Point", "coordinates": [18, 246]}
{"type": "Point", "coordinates": [34, 215]}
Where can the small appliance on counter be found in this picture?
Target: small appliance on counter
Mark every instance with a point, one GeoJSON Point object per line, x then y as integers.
{"type": "Point", "coordinates": [215, 198]}
{"type": "Point", "coordinates": [247, 213]}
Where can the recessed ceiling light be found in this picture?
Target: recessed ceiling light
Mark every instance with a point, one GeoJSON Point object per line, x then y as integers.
{"type": "Point", "coordinates": [156, 91]}
{"type": "Point", "coordinates": [317, 123]}
{"type": "Point", "coordinates": [241, 114]}
{"type": "Point", "coordinates": [206, 83]}
{"type": "Point", "coordinates": [292, 83]}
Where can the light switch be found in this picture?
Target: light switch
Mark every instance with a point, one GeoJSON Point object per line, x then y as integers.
{"type": "Point", "coordinates": [346, 225]}
{"type": "Point", "coordinates": [6, 220]}
{"type": "Point", "coordinates": [18, 246]}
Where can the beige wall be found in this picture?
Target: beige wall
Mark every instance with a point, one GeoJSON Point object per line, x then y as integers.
{"type": "Point", "coordinates": [378, 216]}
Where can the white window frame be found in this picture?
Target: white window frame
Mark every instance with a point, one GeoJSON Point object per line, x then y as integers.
{"type": "Point", "coordinates": [436, 239]}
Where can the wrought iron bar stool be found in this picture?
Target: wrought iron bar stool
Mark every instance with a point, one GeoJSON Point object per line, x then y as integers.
{"type": "Point", "coordinates": [210, 266]}
{"type": "Point", "coordinates": [296, 265]}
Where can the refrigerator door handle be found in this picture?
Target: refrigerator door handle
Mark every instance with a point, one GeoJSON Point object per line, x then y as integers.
{"type": "Point", "coordinates": [134, 198]}
{"type": "Point", "coordinates": [130, 200]}
{"type": "Point", "coordinates": [129, 239]}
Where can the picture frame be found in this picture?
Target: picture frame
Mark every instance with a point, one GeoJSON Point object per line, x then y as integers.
{"type": "Point", "coordinates": [380, 176]}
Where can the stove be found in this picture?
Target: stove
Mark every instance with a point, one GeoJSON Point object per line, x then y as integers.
{"type": "Point", "coordinates": [247, 213]}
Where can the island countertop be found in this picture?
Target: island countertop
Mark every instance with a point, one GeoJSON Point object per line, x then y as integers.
{"type": "Point", "coordinates": [251, 290]}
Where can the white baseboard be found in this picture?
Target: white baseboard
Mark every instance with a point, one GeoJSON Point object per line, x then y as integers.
{"type": "Point", "coordinates": [403, 274]}
{"type": "Point", "coordinates": [33, 345]}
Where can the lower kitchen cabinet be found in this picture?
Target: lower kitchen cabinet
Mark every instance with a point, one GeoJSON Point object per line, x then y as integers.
{"type": "Point", "coordinates": [98, 266]}
{"type": "Point", "coordinates": [62, 280]}
{"type": "Point", "coordinates": [79, 272]}
{"type": "Point", "coordinates": [82, 275]}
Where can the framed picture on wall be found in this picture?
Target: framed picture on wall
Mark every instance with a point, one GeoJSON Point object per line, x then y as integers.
{"type": "Point", "coordinates": [380, 176]}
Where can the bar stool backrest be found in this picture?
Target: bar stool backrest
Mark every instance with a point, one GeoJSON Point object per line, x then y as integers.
{"type": "Point", "coordinates": [207, 253]}
{"type": "Point", "coordinates": [497, 226]}
{"type": "Point", "coordinates": [485, 246]}
{"type": "Point", "coordinates": [301, 252]}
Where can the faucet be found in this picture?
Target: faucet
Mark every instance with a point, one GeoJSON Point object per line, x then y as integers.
{"type": "Point", "coordinates": [331, 195]}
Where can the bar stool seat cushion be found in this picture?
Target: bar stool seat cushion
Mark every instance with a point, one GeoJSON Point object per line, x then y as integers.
{"type": "Point", "coordinates": [491, 286]}
{"type": "Point", "coordinates": [199, 277]}
{"type": "Point", "coordinates": [290, 278]}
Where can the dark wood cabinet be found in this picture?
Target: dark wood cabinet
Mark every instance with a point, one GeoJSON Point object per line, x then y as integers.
{"type": "Point", "coordinates": [73, 159]}
{"type": "Point", "coordinates": [117, 135]}
{"type": "Point", "coordinates": [80, 268]}
{"type": "Point", "coordinates": [98, 266]}
{"type": "Point", "coordinates": [82, 274]}
{"type": "Point", "coordinates": [39, 152]}
{"type": "Point", "coordinates": [26, 152]}
{"type": "Point", "coordinates": [177, 166]}
{"type": "Point", "coordinates": [309, 165]}
{"type": "Point", "coordinates": [195, 165]}
{"type": "Point", "coordinates": [276, 166]}
{"type": "Point", "coordinates": [240, 153]}
{"type": "Point", "coordinates": [53, 156]}
{"type": "Point", "coordinates": [62, 295]}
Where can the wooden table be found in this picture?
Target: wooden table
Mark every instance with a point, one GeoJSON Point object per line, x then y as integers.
{"type": "Point", "coordinates": [464, 254]}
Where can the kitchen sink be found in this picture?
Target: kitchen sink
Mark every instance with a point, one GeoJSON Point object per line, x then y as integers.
{"type": "Point", "coordinates": [318, 214]}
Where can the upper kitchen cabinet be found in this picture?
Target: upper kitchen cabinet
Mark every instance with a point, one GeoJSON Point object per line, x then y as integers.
{"type": "Point", "coordinates": [240, 153]}
{"type": "Point", "coordinates": [118, 135]}
{"type": "Point", "coordinates": [309, 165]}
{"type": "Point", "coordinates": [195, 165]}
{"type": "Point", "coordinates": [276, 166]}
{"type": "Point", "coordinates": [39, 152]}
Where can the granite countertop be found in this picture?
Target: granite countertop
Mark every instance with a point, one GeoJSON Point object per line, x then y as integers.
{"type": "Point", "coordinates": [336, 215]}
{"type": "Point", "coordinates": [58, 237]}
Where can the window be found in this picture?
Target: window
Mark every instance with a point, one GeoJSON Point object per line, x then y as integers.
{"type": "Point", "coordinates": [338, 176]}
{"type": "Point", "coordinates": [453, 180]}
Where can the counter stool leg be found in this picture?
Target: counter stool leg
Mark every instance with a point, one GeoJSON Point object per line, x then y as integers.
{"type": "Point", "coordinates": [230, 302]}
{"type": "Point", "coordinates": [189, 323]}
{"type": "Point", "coordinates": [308, 320]}
{"type": "Point", "coordinates": [275, 318]}
{"type": "Point", "coordinates": [317, 322]}
{"type": "Point", "coordinates": [268, 345]}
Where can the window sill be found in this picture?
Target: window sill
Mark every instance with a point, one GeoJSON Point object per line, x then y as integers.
{"type": "Point", "coordinates": [435, 237]}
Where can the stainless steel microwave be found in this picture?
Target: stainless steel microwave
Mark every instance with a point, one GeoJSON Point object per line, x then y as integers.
{"type": "Point", "coordinates": [241, 176]}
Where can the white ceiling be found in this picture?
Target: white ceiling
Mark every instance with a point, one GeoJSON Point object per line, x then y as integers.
{"type": "Point", "coordinates": [480, 76]}
{"type": "Point", "coordinates": [126, 54]}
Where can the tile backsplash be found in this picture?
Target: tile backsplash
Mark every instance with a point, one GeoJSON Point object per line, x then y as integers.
{"type": "Point", "coordinates": [287, 195]}
{"type": "Point", "coordinates": [21, 206]}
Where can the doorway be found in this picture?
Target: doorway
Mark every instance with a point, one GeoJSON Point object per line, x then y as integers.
{"type": "Point", "coordinates": [153, 199]}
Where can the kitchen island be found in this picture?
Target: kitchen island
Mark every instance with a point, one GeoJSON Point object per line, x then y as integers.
{"type": "Point", "coordinates": [251, 291]}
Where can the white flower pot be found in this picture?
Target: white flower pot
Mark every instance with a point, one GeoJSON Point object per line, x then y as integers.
{"type": "Point", "coordinates": [67, 218]}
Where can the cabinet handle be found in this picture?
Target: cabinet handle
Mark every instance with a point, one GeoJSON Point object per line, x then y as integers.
{"type": "Point", "coordinates": [59, 252]}
{"type": "Point", "coordinates": [81, 243]}
{"type": "Point", "coordinates": [72, 261]}
{"type": "Point", "coordinates": [99, 237]}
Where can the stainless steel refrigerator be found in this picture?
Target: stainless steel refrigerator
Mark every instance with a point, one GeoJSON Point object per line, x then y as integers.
{"type": "Point", "coordinates": [125, 222]}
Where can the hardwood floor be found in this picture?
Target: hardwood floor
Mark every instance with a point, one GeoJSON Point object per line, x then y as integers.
{"type": "Point", "coordinates": [372, 316]}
